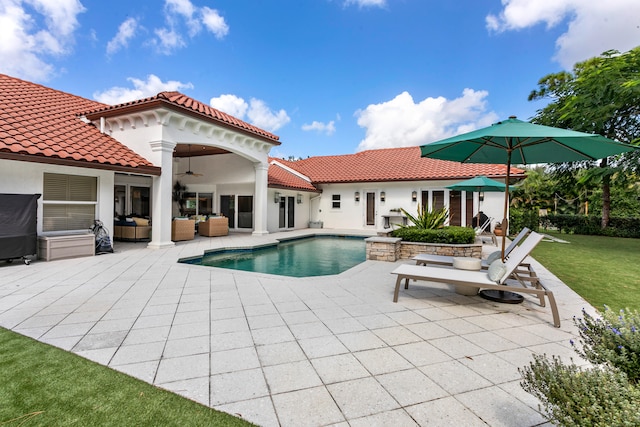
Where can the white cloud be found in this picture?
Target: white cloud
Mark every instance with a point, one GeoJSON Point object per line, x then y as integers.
{"type": "Point", "coordinates": [169, 38]}
{"type": "Point", "coordinates": [214, 22]}
{"type": "Point", "coordinates": [593, 26]}
{"type": "Point", "coordinates": [230, 104]}
{"type": "Point", "coordinates": [401, 122]}
{"type": "Point", "coordinates": [366, 3]}
{"type": "Point", "coordinates": [327, 128]}
{"type": "Point", "coordinates": [126, 31]}
{"type": "Point", "coordinates": [255, 111]}
{"type": "Point", "coordinates": [260, 115]}
{"type": "Point", "coordinates": [141, 89]}
{"type": "Point", "coordinates": [26, 45]}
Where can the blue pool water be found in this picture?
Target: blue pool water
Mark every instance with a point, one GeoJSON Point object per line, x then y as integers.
{"type": "Point", "coordinates": [315, 256]}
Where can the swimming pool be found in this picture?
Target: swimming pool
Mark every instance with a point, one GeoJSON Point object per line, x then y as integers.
{"type": "Point", "coordinates": [305, 257]}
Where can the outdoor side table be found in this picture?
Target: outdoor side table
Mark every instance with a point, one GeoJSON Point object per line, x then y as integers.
{"type": "Point", "coordinates": [467, 263]}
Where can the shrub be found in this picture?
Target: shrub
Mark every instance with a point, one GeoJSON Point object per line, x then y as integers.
{"type": "Point", "coordinates": [448, 235]}
{"type": "Point", "coordinates": [523, 217]}
{"type": "Point", "coordinates": [591, 225]}
{"type": "Point", "coordinates": [572, 397]}
{"type": "Point", "coordinates": [605, 395]}
{"type": "Point", "coordinates": [614, 339]}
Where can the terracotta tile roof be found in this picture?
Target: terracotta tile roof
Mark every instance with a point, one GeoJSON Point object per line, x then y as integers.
{"type": "Point", "coordinates": [41, 124]}
{"type": "Point", "coordinates": [280, 177]}
{"type": "Point", "coordinates": [391, 164]}
{"type": "Point", "coordinates": [184, 102]}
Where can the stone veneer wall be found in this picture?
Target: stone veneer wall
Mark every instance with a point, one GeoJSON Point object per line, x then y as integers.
{"type": "Point", "coordinates": [392, 249]}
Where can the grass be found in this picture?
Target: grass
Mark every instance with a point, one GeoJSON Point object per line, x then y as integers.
{"type": "Point", "coordinates": [44, 386]}
{"type": "Point", "coordinates": [603, 270]}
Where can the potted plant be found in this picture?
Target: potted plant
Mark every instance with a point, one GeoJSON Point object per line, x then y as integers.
{"type": "Point", "coordinates": [178, 196]}
{"type": "Point", "coordinates": [498, 229]}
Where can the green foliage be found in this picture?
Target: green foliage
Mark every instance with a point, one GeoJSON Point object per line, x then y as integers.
{"type": "Point", "coordinates": [573, 397]}
{"type": "Point", "coordinates": [601, 95]}
{"type": "Point", "coordinates": [427, 220]}
{"type": "Point", "coordinates": [613, 340]}
{"type": "Point", "coordinates": [590, 225]}
{"type": "Point", "coordinates": [605, 395]}
{"type": "Point", "coordinates": [448, 235]}
{"type": "Point", "coordinates": [523, 217]}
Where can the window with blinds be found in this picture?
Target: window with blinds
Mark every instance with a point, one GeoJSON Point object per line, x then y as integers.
{"type": "Point", "coordinates": [68, 202]}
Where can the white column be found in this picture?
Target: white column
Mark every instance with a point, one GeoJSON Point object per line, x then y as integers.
{"type": "Point", "coordinates": [162, 197]}
{"type": "Point", "coordinates": [260, 199]}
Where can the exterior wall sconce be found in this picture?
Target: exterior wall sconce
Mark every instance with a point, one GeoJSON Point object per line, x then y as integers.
{"type": "Point", "coordinates": [382, 196]}
{"type": "Point", "coordinates": [481, 196]}
{"type": "Point", "coordinates": [414, 196]}
{"type": "Point", "coordinates": [356, 196]}
{"type": "Point", "coordinates": [276, 197]}
{"type": "Point", "coordinates": [299, 198]}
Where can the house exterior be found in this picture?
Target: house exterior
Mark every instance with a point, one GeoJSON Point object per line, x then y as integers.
{"type": "Point", "coordinates": [95, 161]}
{"type": "Point", "coordinates": [368, 189]}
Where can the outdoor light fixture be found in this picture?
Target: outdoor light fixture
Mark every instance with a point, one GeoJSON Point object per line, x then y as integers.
{"type": "Point", "coordinates": [382, 196]}
{"type": "Point", "coordinates": [299, 198]}
{"type": "Point", "coordinates": [356, 196]}
{"type": "Point", "coordinates": [481, 196]}
{"type": "Point", "coordinates": [414, 196]}
{"type": "Point", "coordinates": [276, 197]}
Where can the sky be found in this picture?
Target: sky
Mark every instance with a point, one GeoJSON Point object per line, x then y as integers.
{"type": "Point", "coordinates": [327, 76]}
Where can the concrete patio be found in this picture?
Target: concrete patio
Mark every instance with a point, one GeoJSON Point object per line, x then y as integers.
{"type": "Point", "coordinates": [281, 351]}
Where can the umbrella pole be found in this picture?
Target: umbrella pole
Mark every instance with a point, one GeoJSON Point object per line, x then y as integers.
{"type": "Point", "coordinates": [505, 220]}
{"type": "Point", "coordinates": [491, 294]}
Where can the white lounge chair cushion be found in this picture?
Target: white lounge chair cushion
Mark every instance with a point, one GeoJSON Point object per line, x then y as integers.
{"type": "Point", "coordinates": [497, 270]}
{"type": "Point", "coordinates": [493, 256]}
{"type": "Point", "coordinates": [467, 263]}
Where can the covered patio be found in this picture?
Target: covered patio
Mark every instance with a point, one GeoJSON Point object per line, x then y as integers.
{"type": "Point", "coordinates": [286, 351]}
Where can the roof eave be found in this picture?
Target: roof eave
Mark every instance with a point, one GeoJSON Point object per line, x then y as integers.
{"type": "Point", "coordinates": [144, 105]}
{"type": "Point", "coordinates": [142, 170]}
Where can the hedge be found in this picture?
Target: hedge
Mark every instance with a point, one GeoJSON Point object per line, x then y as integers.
{"type": "Point", "coordinates": [449, 235]}
{"type": "Point", "coordinates": [591, 225]}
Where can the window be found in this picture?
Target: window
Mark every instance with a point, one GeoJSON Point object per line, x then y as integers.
{"type": "Point", "coordinates": [68, 202]}
{"type": "Point", "coordinates": [335, 201]}
{"type": "Point", "coordinates": [198, 203]}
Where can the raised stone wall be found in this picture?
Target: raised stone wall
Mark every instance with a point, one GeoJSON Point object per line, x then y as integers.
{"type": "Point", "coordinates": [392, 249]}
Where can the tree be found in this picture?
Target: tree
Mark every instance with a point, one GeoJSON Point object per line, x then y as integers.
{"type": "Point", "coordinates": [601, 95]}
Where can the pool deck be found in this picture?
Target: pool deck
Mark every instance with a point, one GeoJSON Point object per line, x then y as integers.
{"type": "Point", "coordinates": [282, 351]}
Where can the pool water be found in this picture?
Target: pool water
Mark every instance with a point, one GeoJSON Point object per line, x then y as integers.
{"type": "Point", "coordinates": [315, 256]}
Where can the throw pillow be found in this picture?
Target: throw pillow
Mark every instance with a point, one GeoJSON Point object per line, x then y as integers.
{"type": "Point", "coordinates": [493, 256]}
{"type": "Point", "coordinates": [497, 270]}
{"type": "Point", "coordinates": [141, 221]}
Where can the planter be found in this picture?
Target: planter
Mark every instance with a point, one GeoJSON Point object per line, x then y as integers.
{"type": "Point", "coordinates": [393, 249]}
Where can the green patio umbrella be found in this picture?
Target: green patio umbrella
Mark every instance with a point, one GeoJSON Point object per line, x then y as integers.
{"type": "Point", "coordinates": [513, 141]}
{"type": "Point", "coordinates": [479, 184]}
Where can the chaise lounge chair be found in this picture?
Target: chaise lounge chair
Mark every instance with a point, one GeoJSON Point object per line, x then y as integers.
{"type": "Point", "coordinates": [493, 278]}
{"type": "Point", "coordinates": [427, 259]}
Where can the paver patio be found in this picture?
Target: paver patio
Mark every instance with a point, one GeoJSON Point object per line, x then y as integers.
{"type": "Point", "coordinates": [331, 350]}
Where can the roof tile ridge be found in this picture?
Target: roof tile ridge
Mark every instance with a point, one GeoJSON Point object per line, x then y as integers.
{"type": "Point", "coordinates": [50, 89]}
{"type": "Point", "coordinates": [290, 170]}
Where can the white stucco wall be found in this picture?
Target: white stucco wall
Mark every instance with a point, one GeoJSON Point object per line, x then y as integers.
{"type": "Point", "coordinates": [27, 178]}
{"type": "Point", "coordinates": [352, 213]}
{"type": "Point", "coordinates": [301, 210]}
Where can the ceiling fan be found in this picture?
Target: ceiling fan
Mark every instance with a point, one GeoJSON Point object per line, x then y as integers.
{"type": "Point", "coordinates": [189, 172]}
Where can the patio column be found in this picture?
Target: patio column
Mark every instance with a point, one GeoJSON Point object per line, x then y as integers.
{"type": "Point", "coordinates": [260, 199]}
{"type": "Point", "coordinates": [162, 197]}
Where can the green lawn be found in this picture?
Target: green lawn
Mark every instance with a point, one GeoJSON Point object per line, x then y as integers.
{"type": "Point", "coordinates": [41, 385]}
{"type": "Point", "coordinates": [603, 270]}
